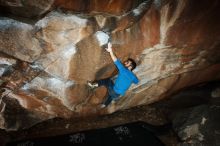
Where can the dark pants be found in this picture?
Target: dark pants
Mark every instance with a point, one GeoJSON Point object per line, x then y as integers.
{"type": "Point", "coordinates": [111, 94]}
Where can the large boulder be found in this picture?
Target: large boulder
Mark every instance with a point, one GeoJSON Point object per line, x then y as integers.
{"type": "Point", "coordinates": [175, 43]}
{"type": "Point", "coordinates": [198, 125]}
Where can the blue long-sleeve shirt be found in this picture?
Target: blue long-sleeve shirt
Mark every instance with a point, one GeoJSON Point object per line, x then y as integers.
{"type": "Point", "coordinates": [125, 78]}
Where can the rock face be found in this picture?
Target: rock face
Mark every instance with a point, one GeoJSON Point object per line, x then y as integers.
{"type": "Point", "coordinates": [194, 113]}
{"type": "Point", "coordinates": [198, 125]}
{"type": "Point", "coordinates": [29, 9]}
{"type": "Point", "coordinates": [45, 65]}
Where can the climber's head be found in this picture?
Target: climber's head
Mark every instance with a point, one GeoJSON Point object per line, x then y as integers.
{"type": "Point", "coordinates": [130, 64]}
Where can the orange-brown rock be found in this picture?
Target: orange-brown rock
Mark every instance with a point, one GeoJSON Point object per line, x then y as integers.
{"type": "Point", "coordinates": [113, 7]}
{"type": "Point", "coordinates": [28, 9]}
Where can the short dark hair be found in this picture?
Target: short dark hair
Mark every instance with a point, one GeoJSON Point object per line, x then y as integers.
{"type": "Point", "coordinates": [133, 63]}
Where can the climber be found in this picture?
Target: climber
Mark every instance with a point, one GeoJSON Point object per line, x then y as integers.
{"type": "Point", "coordinates": [123, 81]}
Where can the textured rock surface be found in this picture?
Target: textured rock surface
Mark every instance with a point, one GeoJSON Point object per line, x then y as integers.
{"type": "Point", "coordinates": [194, 113]}
{"type": "Point", "coordinates": [17, 40]}
{"type": "Point", "coordinates": [198, 125]}
{"type": "Point", "coordinates": [28, 9]}
{"type": "Point", "coordinates": [45, 65]}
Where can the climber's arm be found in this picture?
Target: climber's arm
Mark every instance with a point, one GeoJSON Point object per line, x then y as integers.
{"type": "Point", "coordinates": [109, 49]}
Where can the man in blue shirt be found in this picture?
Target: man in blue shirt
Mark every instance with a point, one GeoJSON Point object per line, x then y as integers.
{"type": "Point", "coordinates": [123, 81]}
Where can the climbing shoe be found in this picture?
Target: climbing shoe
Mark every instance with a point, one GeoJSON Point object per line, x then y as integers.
{"type": "Point", "coordinates": [92, 85]}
